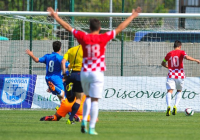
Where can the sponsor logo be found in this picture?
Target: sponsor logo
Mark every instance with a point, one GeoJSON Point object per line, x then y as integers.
{"type": "Point", "coordinates": [49, 98]}
{"type": "Point", "coordinates": [14, 90]}
{"type": "Point", "coordinates": [124, 94]}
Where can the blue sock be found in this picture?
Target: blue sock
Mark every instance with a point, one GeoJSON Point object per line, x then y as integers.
{"type": "Point", "coordinates": [75, 108]}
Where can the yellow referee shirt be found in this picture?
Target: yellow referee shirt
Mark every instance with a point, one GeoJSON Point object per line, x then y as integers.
{"type": "Point", "coordinates": [75, 57]}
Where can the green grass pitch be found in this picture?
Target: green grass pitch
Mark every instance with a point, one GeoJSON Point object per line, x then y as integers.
{"type": "Point", "coordinates": [25, 125]}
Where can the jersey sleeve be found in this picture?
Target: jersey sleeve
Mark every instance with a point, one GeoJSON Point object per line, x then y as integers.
{"type": "Point", "coordinates": [184, 53]}
{"type": "Point", "coordinates": [66, 56]}
{"type": "Point", "coordinates": [78, 35]}
{"type": "Point", "coordinates": [42, 59]}
{"type": "Point", "coordinates": [110, 35]}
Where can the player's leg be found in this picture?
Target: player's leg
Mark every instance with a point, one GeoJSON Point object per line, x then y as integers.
{"type": "Point", "coordinates": [79, 113]}
{"type": "Point", "coordinates": [95, 92]}
{"type": "Point", "coordinates": [48, 90]}
{"type": "Point", "coordinates": [75, 106]}
{"type": "Point", "coordinates": [94, 115]}
{"type": "Point", "coordinates": [86, 108]}
{"type": "Point", "coordinates": [55, 117]}
{"type": "Point", "coordinates": [57, 88]}
{"type": "Point", "coordinates": [77, 89]}
{"type": "Point", "coordinates": [179, 87]}
{"type": "Point", "coordinates": [65, 108]}
{"type": "Point", "coordinates": [87, 104]}
{"type": "Point", "coordinates": [71, 98]}
{"type": "Point", "coordinates": [86, 112]}
{"type": "Point", "coordinates": [170, 85]}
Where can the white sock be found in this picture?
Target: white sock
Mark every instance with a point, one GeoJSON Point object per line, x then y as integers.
{"type": "Point", "coordinates": [86, 108]}
{"type": "Point", "coordinates": [178, 98]}
{"type": "Point", "coordinates": [168, 99]}
{"type": "Point", "coordinates": [94, 113]}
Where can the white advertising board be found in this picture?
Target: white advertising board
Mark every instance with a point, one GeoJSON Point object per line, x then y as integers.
{"type": "Point", "coordinates": [130, 93]}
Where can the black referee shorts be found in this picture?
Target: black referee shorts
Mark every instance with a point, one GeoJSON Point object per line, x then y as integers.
{"type": "Point", "coordinates": [75, 78]}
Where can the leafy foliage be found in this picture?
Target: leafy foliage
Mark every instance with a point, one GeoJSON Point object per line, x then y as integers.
{"type": "Point", "coordinates": [87, 5]}
{"type": "Point", "coordinates": [13, 28]}
{"type": "Point", "coordinates": [45, 31]}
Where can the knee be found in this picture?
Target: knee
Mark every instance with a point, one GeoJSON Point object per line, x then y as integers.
{"type": "Point", "coordinates": [79, 95]}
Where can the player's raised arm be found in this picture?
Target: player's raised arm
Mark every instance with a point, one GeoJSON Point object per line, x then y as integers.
{"type": "Point", "coordinates": [54, 14]}
{"type": "Point", "coordinates": [192, 59]}
{"type": "Point", "coordinates": [30, 53]}
{"type": "Point", "coordinates": [125, 23]}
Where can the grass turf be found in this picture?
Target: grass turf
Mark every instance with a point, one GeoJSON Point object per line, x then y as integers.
{"type": "Point", "coordinates": [25, 124]}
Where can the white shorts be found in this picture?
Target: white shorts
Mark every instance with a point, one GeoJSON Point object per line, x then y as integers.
{"type": "Point", "coordinates": [174, 83]}
{"type": "Point", "coordinates": [92, 83]}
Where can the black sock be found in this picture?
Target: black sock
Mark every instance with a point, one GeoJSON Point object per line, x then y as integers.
{"type": "Point", "coordinates": [75, 108]}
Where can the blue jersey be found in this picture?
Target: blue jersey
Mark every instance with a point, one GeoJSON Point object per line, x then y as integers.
{"type": "Point", "coordinates": [53, 64]}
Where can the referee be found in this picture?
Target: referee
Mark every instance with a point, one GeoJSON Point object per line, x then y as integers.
{"type": "Point", "coordinates": [75, 56]}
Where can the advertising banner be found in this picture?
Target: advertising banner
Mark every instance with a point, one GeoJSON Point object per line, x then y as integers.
{"type": "Point", "coordinates": [16, 90]}
{"type": "Point", "coordinates": [130, 93]}
{"type": "Point", "coordinates": [147, 93]}
{"type": "Point", "coordinates": [42, 98]}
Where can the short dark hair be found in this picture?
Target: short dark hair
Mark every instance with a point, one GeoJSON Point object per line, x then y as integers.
{"type": "Point", "coordinates": [94, 24]}
{"type": "Point", "coordinates": [56, 46]}
{"type": "Point", "coordinates": [177, 43]}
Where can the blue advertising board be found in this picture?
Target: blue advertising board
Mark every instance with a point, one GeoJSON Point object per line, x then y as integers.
{"type": "Point", "coordinates": [16, 90]}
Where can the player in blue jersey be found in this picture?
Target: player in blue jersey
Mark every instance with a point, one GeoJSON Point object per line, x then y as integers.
{"type": "Point", "coordinates": [53, 69]}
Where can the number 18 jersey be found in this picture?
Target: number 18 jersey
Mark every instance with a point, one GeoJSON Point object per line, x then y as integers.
{"type": "Point", "coordinates": [175, 64]}
{"type": "Point", "coordinates": [94, 46]}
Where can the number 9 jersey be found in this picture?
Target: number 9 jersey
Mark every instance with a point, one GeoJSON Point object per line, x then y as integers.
{"type": "Point", "coordinates": [175, 64]}
{"type": "Point", "coordinates": [94, 46]}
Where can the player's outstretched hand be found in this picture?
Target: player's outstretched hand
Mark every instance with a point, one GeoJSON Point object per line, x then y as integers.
{"type": "Point", "coordinates": [29, 52]}
{"type": "Point", "coordinates": [52, 13]}
{"type": "Point", "coordinates": [198, 61]}
{"type": "Point", "coordinates": [48, 90]}
{"type": "Point", "coordinates": [136, 11]}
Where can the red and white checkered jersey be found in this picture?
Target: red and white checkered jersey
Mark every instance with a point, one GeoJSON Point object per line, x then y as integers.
{"type": "Point", "coordinates": [175, 64]}
{"type": "Point", "coordinates": [94, 46]}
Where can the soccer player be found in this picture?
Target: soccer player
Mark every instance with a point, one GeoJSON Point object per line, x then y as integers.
{"type": "Point", "coordinates": [176, 75]}
{"type": "Point", "coordinates": [65, 108]}
{"type": "Point", "coordinates": [93, 67]}
{"type": "Point", "coordinates": [53, 69]}
{"type": "Point", "coordinates": [75, 57]}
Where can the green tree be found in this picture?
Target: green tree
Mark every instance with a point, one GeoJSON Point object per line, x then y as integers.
{"type": "Point", "coordinates": [160, 9]}
{"type": "Point", "coordinates": [169, 4]}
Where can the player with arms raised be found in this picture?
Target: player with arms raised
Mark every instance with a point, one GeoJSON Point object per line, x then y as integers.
{"type": "Point", "coordinates": [93, 66]}
{"type": "Point", "coordinates": [176, 75]}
